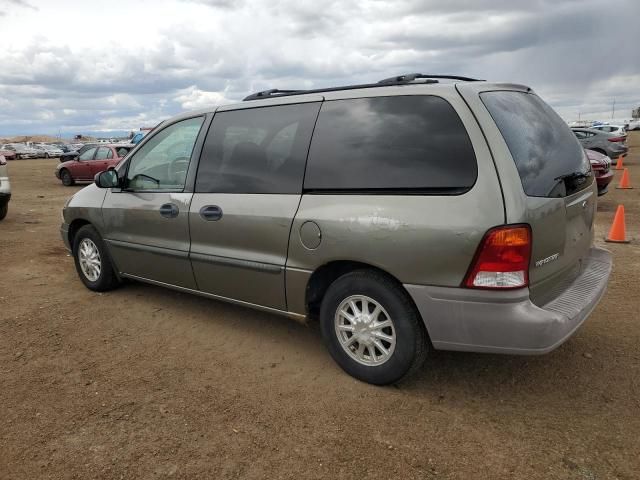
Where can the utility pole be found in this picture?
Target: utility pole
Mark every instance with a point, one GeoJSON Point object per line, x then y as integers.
{"type": "Point", "coordinates": [613, 108]}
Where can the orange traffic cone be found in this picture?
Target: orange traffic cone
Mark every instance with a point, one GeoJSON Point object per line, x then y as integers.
{"type": "Point", "coordinates": [624, 181]}
{"type": "Point", "coordinates": [618, 232]}
{"type": "Point", "coordinates": [619, 165]}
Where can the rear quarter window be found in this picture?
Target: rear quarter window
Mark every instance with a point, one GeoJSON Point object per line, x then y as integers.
{"type": "Point", "coordinates": [410, 144]}
{"type": "Point", "coordinates": [550, 160]}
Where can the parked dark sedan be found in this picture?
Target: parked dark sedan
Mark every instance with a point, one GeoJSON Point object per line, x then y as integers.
{"type": "Point", "coordinates": [605, 143]}
{"type": "Point", "coordinates": [65, 157]}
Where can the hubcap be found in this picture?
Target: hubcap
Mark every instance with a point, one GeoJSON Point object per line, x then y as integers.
{"type": "Point", "coordinates": [365, 330]}
{"type": "Point", "coordinates": [89, 258]}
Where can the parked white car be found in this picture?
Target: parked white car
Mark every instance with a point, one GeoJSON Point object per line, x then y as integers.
{"type": "Point", "coordinates": [615, 129]}
{"type": "Point", "coordinates": [22, 150]}
{"type": "Point", "coordinates": [48, 151]}
{"type": "Point", "coordinates": [634, 124]}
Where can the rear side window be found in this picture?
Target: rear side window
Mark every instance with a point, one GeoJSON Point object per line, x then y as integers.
{"type": "Point", "coordinates": [103, 153]}
{"type": "Point", "coordinates": [257, 150]}
{"type": "Point", "coordinates": [549, 158]}
{"type": "Point", "coordinates": [387, 144]}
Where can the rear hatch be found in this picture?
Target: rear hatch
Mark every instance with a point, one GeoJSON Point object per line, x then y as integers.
{"type": "Point", "coordinates": [560, 193]}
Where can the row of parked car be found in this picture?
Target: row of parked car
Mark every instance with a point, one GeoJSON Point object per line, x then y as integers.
{"type": "Point", "coordinates": [602, 144]}
{"type": "Point", "coordinates": [17, 151]}
{"type": "Point", "coordinates": [64, 151]}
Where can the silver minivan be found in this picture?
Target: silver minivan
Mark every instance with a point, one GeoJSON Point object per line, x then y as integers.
{"type": "Point", "coordinates": [417, 213]}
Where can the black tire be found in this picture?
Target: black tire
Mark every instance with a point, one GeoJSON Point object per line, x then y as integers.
{"type": "Point", "coordinates": [107, 280]}
{"type": "Point", "coordinates": [4, 209]}
{"type": "Point", "coordinates": [411, 345]}
{"type": "Point", "coordinates": [67, 179]}
{"type": "Point", "coordinates": [46, 155]}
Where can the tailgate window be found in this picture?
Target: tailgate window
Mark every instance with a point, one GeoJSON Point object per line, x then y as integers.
{"type": "Point", "coordinates": [550, 160]}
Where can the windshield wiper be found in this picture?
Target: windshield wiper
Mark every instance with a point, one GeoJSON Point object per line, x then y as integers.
{"type": "Point", "coordinates": [573, 176]}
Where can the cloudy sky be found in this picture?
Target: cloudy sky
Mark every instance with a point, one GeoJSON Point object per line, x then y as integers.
{"type": "Point", "coordinates": [76, 66]}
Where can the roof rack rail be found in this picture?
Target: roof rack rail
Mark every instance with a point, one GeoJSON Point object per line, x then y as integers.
{"type": "Point", "coordinates": [268, 93]}
{"type": "Point", "coordinates": [398, 80]}
{"type": "Point", "coordinates": [410, 77]}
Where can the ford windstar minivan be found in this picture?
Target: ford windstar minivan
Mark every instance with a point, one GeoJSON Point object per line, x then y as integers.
{"type": "Point", "coordinates": [421, 212]}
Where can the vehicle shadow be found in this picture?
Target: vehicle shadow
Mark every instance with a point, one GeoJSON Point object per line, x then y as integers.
{"type": "Point", "coordinates": [562, 375]}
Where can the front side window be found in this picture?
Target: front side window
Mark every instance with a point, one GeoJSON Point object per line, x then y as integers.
{"type": "Point", "coordinates": [87, 155]}
{"type": "Point", "coordinates": [257, 150]}
{"type": "Point", "coordinates": [163, 161]}
{"type": "Point", "coordinates": [414, 144]}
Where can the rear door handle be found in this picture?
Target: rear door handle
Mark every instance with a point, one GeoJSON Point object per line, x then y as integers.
{"type": "Point", "coordinates": [211, 213]}
{"type": "Point", "coordinates": [169, 210]}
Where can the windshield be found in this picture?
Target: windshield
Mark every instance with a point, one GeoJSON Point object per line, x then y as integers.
{"type": "Point", "coordinates": [550, 160]}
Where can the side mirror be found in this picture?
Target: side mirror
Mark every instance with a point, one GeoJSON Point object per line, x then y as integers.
{"type": "Point", "coordinates": [107, 179]}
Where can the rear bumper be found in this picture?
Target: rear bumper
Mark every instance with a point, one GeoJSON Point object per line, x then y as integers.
{"type": "Point", "coordinates": [616, 151]}
{"type": "Point", "coordinates": [508, 322]}
{"type": "Point", "coordinates": [603, 181]}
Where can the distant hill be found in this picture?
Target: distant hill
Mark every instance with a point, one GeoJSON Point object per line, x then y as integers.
{"type": "Point", "coordinates": [29, 138]}
{"type": "Point", "coordinates": [43, 139]}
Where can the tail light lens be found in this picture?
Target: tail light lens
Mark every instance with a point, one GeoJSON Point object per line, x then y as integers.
{"type": "Point", "coordinates": [616, 139]}
{"type": "Point", "coordinates": [502, 259]}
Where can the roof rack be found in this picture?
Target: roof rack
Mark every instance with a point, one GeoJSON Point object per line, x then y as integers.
{"type": "Point", "coordinates": [268, 93]}
{"type": "Point", "coordinates": [410, 77]}
{"type": "Point", "coordinates": [398, 80]}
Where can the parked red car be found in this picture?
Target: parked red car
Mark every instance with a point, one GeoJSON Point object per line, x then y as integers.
{"type": "Point", "coordinates": [601, 166]}
{"type": "Point", "coordinates": [8, 154]}
{"type": "Point", "coordinates": [91, 162]}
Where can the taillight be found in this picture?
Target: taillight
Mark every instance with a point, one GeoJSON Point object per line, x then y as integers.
{"type": "Point", "coordinates": [502, 259]}
{"type": "Point", "coordinates": [616, 139]}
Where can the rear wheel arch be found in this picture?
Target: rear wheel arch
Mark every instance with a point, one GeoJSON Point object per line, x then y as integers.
{"type": "Point", "coordinates": [323, 276]}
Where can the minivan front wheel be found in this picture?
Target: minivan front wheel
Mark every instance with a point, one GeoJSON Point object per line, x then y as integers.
{"type": "Point", "coordinates": [92, 260]}
{"type": "Point", "coordinates": [371, 328]}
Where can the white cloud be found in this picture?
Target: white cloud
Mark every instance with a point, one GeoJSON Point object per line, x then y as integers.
{"type": "Point", "coordinates": [193, 98]}
{"type": "Point", "coordinates": [135, 63]}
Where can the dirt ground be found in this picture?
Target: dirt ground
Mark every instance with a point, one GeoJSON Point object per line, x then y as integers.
{"type": "Point", "coordinates": [144, 382]}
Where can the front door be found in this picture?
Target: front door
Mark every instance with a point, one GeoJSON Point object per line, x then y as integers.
{"type": "Point", "coordinates": [147, 221]}
{"type": "Point", "coordinates": [82, 167]}
{"type": "Point", "coordinates": [247, 192]}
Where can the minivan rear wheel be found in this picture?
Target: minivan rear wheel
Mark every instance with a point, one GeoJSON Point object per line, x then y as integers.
{"type": "Point", "coordinates": [371, 328]}
{"type": "Point", "coordinates": [92, 260]}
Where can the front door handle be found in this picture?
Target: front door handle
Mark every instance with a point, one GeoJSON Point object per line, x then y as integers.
{"type": "Point", "coordinates": [169, 210]}
{"type": "Point", "coordinates": [211, 213]}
